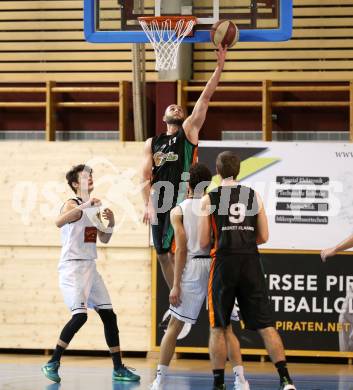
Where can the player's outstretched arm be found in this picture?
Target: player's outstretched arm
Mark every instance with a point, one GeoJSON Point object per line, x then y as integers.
{"type": "Point", "coordinates": [71, 212]}
{"type": "Point", "coordinates": [204, 226]}
{"type": "Point", "coordinates": [262, 233]}
{"type": "Point", "coordinates": [192, 124]}
{"type": "Point", "coordinates": [176, 219]}
{"type": "Point", "coordinates": [146, 177]}
{"type": "Point", "coordinates": [342, 246]}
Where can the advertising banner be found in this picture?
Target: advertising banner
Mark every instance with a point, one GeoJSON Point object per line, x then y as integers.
{"type": "Point", "coordinates": [312, 307]}
{"type": "Point", "coordinates": [307, 188]}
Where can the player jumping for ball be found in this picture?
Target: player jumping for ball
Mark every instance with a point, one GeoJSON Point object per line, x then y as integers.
{"type": "Point", "coordinates": [166, 158]}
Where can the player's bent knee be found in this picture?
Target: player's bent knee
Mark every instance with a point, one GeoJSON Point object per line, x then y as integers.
{"type": "Point", "coordinates": [78, 320]}
{"type": "Point", "coordinates": [267, 330]}
{"type": "Point", "coordinates": [107, 315]}
{"type": "Point", "coordinates": [218, 331]}
{"type": "Point", "coordinates": [229, 329]}
{"type": "Point", "coordinates": [176, 325]}
{"type": "Point", "coordinates": [72, 327]}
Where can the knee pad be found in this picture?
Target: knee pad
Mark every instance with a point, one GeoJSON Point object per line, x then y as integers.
{"type": "Point", "coordinates": [72, 327]}
{"type": "Point", "coordinates": [107, 315]}
{"type": "Point", "coordinates": [77, 321]}
{"type": "Point", "coordinates": [111, 330]}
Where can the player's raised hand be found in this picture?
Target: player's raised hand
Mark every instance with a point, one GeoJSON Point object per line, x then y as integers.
{"type": "Point", "coordinates": [329, 252]}
{"type": "Point", "coordinates": [221, 55]}
{"type": "Point", "coordinates": [174, 296]}
{"type": "Point", "coordinates": [109, 216]}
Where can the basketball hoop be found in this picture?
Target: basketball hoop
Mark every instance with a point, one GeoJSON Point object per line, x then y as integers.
{"type": "Point", "coordinates": [166, 33]}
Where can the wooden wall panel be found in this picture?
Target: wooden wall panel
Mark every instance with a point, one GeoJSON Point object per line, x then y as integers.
{"type": "Point", "coordinates": [44, 40]}
{"type": "Point", "coordinates": [32, 311]}
{"type": "Point", "coordinates": [33, 174]}
{"type": "Point", "coordinates": [321, 48]}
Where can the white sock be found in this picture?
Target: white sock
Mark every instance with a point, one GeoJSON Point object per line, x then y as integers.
{"type": "Point", "coordinates": [239, 370]}
{"type": "Point", "coordinates": [161, 372]}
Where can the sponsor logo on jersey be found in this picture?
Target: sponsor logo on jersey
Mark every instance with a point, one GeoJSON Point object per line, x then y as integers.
{"type": "Point", "coordinates": [90, 234]}
{"type": "Point", "coordinates": [161, 158]}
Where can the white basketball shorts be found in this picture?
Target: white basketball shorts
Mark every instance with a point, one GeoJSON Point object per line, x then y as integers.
{"type": "Point", "coordinates": [194, 286]}
{"type": "Point", "coordinates": [82, 286]}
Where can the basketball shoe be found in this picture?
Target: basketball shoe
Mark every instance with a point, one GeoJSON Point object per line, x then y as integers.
{"type": "Point", "coordinates": [158, 384]}
{"type": "Point", "coordinates": [50, 370]}
{"type": "Point", "coordinates": [285, 385]}
{"type": "Point", "coordinates": [240, 385]}
{"type": "Point", "coordinates": [123, 374]}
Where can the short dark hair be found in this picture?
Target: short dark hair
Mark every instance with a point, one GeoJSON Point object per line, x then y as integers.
{"type": "Point", "coordinates": [72, 175]}
{"type": "Point", "coordinates": [199, 173]}
{"type": "Point", "coordinates": [228, 165]}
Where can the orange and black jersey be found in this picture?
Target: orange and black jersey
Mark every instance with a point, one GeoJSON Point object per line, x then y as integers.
{"type": "Point", "coordinates": [172, 155]}
{"type": "Point", "coordinates": [234, 220]}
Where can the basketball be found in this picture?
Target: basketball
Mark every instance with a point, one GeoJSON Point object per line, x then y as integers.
{"type": "Point", "coordinates": [224, 32]}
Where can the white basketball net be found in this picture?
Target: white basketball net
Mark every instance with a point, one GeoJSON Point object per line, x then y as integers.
{"type": "Point", "coordinates": [166, 40]}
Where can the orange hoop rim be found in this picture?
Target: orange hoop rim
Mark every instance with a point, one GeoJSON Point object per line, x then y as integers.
{"type": "Point", "coordinates": [173, 18]}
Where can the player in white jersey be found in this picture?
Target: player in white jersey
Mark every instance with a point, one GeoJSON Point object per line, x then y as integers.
{"type": "Point", "coordinates": [81, 284]}
{"type": "Point", "coordinates": [191, 274]}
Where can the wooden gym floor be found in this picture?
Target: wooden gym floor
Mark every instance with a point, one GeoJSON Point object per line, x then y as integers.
{"type": "Point", "coordinates": [22, 372]}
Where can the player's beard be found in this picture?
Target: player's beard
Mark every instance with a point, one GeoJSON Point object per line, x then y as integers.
{"type": "Point", "coordinates": [174, 121]}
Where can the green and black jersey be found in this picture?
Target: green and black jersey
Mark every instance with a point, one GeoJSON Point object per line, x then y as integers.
{"type": "Point", "coordinates": [172, 156]}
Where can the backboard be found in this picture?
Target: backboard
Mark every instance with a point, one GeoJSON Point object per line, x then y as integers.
{"type": "Point", "coordinates": [258, 20]}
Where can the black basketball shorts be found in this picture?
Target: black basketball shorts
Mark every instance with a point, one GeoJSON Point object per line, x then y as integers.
{"type": "Point", "coordinates": [239, 276]}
